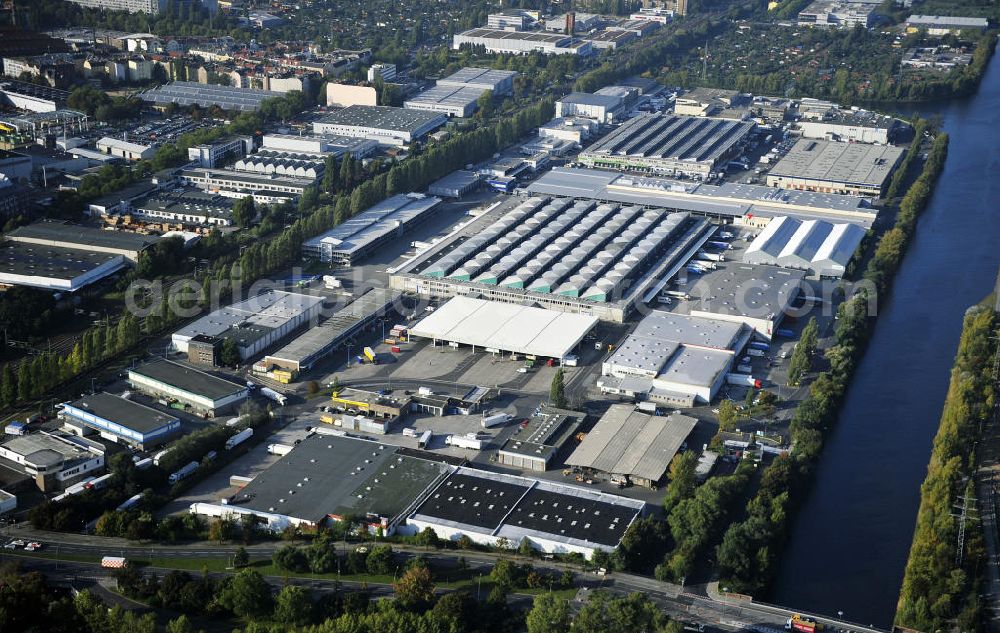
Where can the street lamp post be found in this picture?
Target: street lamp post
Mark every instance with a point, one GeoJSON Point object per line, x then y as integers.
{"type": "Point", "coordinates": [725, 603]}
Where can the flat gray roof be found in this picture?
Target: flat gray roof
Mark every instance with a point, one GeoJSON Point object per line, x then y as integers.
{"type": "Point", "coordinates": [744, 290]}
{"type": "Point", "coordinates": [668, 136]}
{"type": "Point", "coordinates": [248, 177]}
{"type": "Point", "coordinates": [81, 236]}
{"type": "Point", "coordinates": [124, 412]}
{"type": "Point", "coordinates": [847, 163]}
{"type": "Point", "coordinates": [382, 117]}
{"type": "Point", "coordinates": [947, 21]}
{"type": "Point", "coordinates": [386, 217]}
{"type": "Point", "coordinates": [484, 77]}
{"type": "Point", "coordinates": [728, 199]}
{"type": "Point", "coordinates": [531, 36]}
{"type": "Point", "coordinates": [586, 98]}
{"type": "Point", "coordinates": [188, 201]}
{"type": "Point", "coordinates": [52, 262]}
{"type": "Point", "coordinates": [188, 379]}
{"type": "Point", "coordinates": [328, 475]}
{"type": "Point", "coordinates": [329, 334]}
{"type": "Point", "coordinates": [450, 96]}
{"type": "Point", "coordinates": [269, 310]}
{"type": "Point", "coordinates": [544, 434]}
{"type": "Point", "coordinates": [227, 97]}
{"type": "Point", "coordinates": [629, 442]}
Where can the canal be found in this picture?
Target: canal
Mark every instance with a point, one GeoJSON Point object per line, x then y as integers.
{"type": "Point", "coordinates": [851, 537]}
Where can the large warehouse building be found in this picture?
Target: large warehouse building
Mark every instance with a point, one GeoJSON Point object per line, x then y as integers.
{"type": "Point", "coordinates": [758, 296]}
{"type": "Point", "coordinates": [821, 248]}
{"type": "Point", "coordinates": [504, 327]}
{"type": "Point", "coordinates": [534, 445]}
{"type": "Point", "coordinates": [457, 101]}
{"type": "Point", "coordinates": [669, 144]}
{"type": "Point", "coordinates": [353, 239]}
{"type": "Point", "coordinates": [318, 342]}
{"type": "Point", "coordinates": [522, 42]}
{"type": "Point", "coordinates": [629, 443]}
{"type": "Point", "coordinates": [119, 420]}
{"type": "Point", "coordinates": [855, 169]}
{"type": "Point", "coordinates": [387, 125]}
{"type": "Point", "coordinates": [64, 235]}
{"type": "Point", "coordinates": [572, 256]}
{"type": "Point", "coordinates": [254, 324]}
{"type": "Point", "coordinates": [203, 392]}
{"type": "Point", "coordinates": [500, 82]}
{"type": "Point", "coordinates": [53, 268]}
{"type": "Point", "coordinates": [674, 359]}
{"type": "Point", "coordinates": [188, 93]}
{"type": "Point", "coordinates": [553, 517]}
{"type": "Point", "coordinates": [728, 201]}
{"type": "Point", "coordinates": [326, 478]}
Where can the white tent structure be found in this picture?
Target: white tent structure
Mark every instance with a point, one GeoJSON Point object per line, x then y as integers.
{"type": "Point", "coordinates": [821, 248]}
{"type": "Point", "coordinates": [504, 327]}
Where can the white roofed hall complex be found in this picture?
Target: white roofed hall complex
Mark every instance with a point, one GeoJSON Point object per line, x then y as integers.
{"type": "Point", "coordinates": [821, 248]}
{"type": "Point", "coordinates": [576, 256]}
{"type": "Point", "coordinates": [502, 327]}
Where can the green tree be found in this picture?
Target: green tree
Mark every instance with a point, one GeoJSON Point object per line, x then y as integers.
{"type": "Point", "coordinates": [379, 562]}
{"type": "Point", "coordinates": [549, 614]}
{"type": "Point", "coordinates": [557, 392]}
{"type": "Point", "coordinates": [241, 558]}
{"type": "Point", "coordinates": [24, 386]}
{"type": "Point", "coordinates": [293, 606]}
{"type": "Point", "coordinates": [8, 386]}
{"type": "Point", "coordinates": [244, 211]}
{"type": "Point", "coordinates": [415, 588]}
{"type": "Point", "coordinates": [229, 354]}
{"type": "Point", "coordinates": [525, 548]}
{"type": "Point", "coordinates": [682, 478]}
{"type": "Point", "coordinates": [246, 594]}
{"type": "Point", "coordinates": [728, 415]}
{"type": "Point", "coordinates": [180, 625]}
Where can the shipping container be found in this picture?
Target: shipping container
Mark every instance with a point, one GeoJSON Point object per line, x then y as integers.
{"type": "Point", "coordinates": [571, 361]}
{"type": "Point", "coordinates": [114, 562]}
{"type": "Point", "coordinates": [395, 350]}
{"type": "Point", "coordinates": [744, 369]}
{"type": "Point", "coordinates": [425, 439]}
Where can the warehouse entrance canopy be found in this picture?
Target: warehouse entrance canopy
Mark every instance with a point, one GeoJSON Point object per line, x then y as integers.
{"type": "Point", "coordinates": [505, 327]}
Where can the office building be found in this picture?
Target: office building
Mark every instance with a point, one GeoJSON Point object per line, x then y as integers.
{"type": "Point", "coordinates": [118, 419]}
{"type": "Point", "coordinates": [670, 145]}
{"type": "Point", "coordinates": [860, 126]}
{"type": "Point", "coordinates": [185, 206]}
{"type": "Point", "coordinates": [837, 14]}
{"type": "Point", "coordinates": [855, 169]}
{"type": "Point", "coordinates": [345, 95]}
{"type": "Point", "coordinates": [387, 125]}
{"type": "Point", "coordinates": [215, 154]}
{"type": "Point", "coordinates": [174, 382]}
{"type": "Point", "coordinates": [384, 72]}
{"type": "Point", "coordinates": [572, 129]}
{"type": "Point", "coordinates": [708, 101]}
{"type": "Point", "coordinates": [509, 20]}
{"type": "Point", "coordinates": [265, 188]}
{"type": "Point", "coordinates": [55, 461]}
{"type": "Point", "coordinates": [149, 7]}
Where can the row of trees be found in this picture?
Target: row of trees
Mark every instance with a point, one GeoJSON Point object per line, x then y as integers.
{"type": "Point", "coordinates": [899, 177]}
{"type": "Point", "coordinates": [749, 550]}
{"type": "Point", "coordinates": [601, 612]}
{"type": "Point", "coordinates": [801, 361]}
{"type": "Point", "coordinates": [937, 589]}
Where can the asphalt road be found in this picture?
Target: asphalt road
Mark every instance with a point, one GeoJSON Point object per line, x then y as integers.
{"type": "Point", "coordinates": [724, 611]}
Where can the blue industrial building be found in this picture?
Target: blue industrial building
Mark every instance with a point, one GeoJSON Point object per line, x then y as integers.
{"type": "Point", "coordinates": [120, 420]}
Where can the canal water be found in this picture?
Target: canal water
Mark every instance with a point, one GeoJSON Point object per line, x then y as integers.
{"type": "Point", "coordinates": [851, 537]}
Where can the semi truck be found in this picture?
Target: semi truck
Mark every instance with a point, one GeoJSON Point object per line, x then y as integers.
{"type": "Point", "coordinates": [760, 345]}
{"type": "Point", "coordinates": [279, 449]}
{"type": "Point", "coordinates": [705, 256]}
{"type": "Point", "coordinates": [159, 456]}
{"type": "Point", "coordinates": [802, 624]}
{"type": "Point", "coordinates": [720, 245]}
{"type": "Point", "coordinates": [743, 380]}
{"type": "Point", "coordinates": [183, 472]}
{"type": "Point", "coordinates": [464, 441]}
{"type": "Point", "coordinates": [271, 394]}
{"type": "Point", "coordinates": [238, 439]}
{"type": "Point", "coordinates": [425, 439]}
{"type": "Point", "coordinates": [489, 421]}
{"type": "Point", "coordinates": [130, 502]}
{"type": "Point", "coordinates": [237, 420]}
